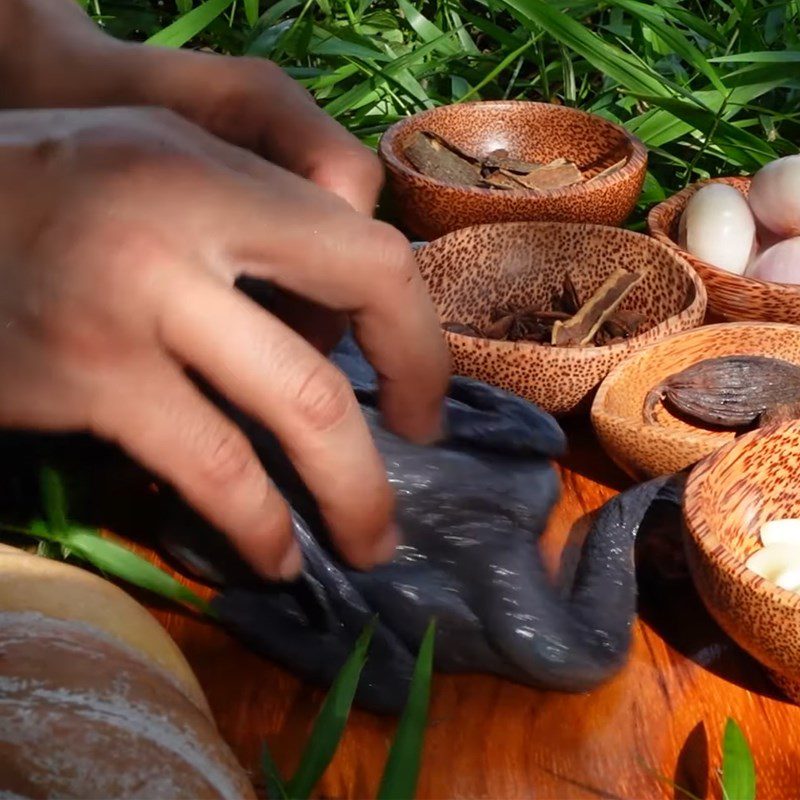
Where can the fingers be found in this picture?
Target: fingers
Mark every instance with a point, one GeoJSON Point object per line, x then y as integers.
{"type": "Point", "coordinates": [349, 263]}
{"type": "Point", "coordinates": [318, 325]}
{"type": "Point", "coordinates": [308, 243]}
{"type": "Point", "coordinates": [254, 104]}
{"type": "Point", "coordinates": [273, 374]}
{"type": "Point", "coordinates": [271, 225]}
{"type": "Point", "coordinates": [161, 420]}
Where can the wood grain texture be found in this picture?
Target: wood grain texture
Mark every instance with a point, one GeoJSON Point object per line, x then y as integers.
{"type": "Point", "coordinates": [539, 132]}
{"type": "Point", "coordinates": [472, 271]}
{"type": "Point", "coordinates": [730, 297]}
{"type": "Point", "coordinates": [489, 738]}
{"type": "Point", "coordinates": [645, 450]}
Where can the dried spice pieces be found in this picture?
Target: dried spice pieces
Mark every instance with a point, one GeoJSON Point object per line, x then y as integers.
{"type": "Point", "coordinates": [568, 322]}
{"type": "Point", "coordinates": [730, 392]}
{"type": "Point", "coordinates": [436, 157]}
{"type": "Point", "coordinates": [581, 328]}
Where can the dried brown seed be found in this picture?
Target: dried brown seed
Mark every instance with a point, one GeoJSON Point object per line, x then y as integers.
{"type": "Point", "coordinates": [727, 392]}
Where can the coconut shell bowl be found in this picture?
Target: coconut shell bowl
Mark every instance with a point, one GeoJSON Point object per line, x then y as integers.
{"type": "Point", "coordinates": [728, 497]}
{"type": "Point", "coordinates": [535, 132]}
{"type": "Point", "coordinates": [473, 271]}
{"type": "Point", "coordinates": [730, 297]}
{"type": "Point", "coordinates": [669, 444]}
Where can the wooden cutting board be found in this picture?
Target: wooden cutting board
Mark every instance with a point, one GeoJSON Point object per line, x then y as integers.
{"type": "Point", "coordinates": [488, 738]}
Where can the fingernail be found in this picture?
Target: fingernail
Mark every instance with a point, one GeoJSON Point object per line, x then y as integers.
{"type": "Point", "coordinates": [292, 563]}
{"type": "Point", "coordinates": [386, 546]}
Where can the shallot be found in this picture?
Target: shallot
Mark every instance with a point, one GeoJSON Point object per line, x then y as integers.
{"type": "Point", "coordinates": [779, 263]}
{"type": "Point", "coordinates": [775, 196]}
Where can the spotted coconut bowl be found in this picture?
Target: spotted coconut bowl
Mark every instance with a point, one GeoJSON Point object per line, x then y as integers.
{"type": "Point", "coordinates": [646, 450]}
{"type": "Point", "coordinates": [728, 497]}
{"type": "Point", "coordinates": [539, 132]}
{"type": "Point", "coordinates": [472, 271]}
{"type": "Point", "coordinates": [730, 297]}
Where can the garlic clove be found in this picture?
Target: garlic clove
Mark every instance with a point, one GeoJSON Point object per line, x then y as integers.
{"type": "Point", "coordinates": [779, 263]}
{"type": "Point", "coordinates": [789, 579]}
{"type": "Point", "coordinates": [781, 530]}
{"type": "Point", "coordinates": [775, 196]}
{"type": "Point", "coordinates": [718, 227]}
{"type": "Point", "coordinates": [773, 561]}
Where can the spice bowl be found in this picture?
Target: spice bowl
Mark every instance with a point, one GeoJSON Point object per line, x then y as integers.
{"type": "Point", "coordinates": [728, 497]}
{"type": "Point", "coordinates": [473, 271]}
{"type": "Point", "coordinates": [670, 443]}
{"type": "Point", "coordinates": [536, 132]}
{"type": "Point", "coordinates": [730, 297]}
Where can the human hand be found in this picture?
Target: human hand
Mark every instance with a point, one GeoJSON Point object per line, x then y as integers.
{"type": "Point", "coordinates": [121, 234]}
{"type": "Point", "coordinates": [54, 56]}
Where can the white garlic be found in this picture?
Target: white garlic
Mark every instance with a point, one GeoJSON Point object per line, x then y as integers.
{"type": "Point", "coordinates": [775, 196]}
{"type": "Point", "coordinates": [718, 227]}
{"type": "Point", "coordinates": [781, 530]}
{"type": "Point", "coordinates": [779, 263]}
{"type": "Point", "coordinates": [778, 563]}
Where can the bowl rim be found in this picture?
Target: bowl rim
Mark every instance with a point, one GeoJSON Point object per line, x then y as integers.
{"type": "Point", "coordinates": [700, 297]}
{"type": "Point", "coordinates": [662, 433]}
{"type": "Point", "coordinates": [637, 162]}
{"type": "Point", "coordinates": [658, 231]}
{"type": "Point", "coordinates": [697, 527]}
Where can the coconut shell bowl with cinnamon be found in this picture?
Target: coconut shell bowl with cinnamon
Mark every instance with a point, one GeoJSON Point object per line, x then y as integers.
{"type": "Point", "coordinates": [542, 133]}
{"type": "Point", "coordinates": [669, 442]}
{"type": "Point", "coordinates": [730, 297]}
{"type": "Point", "coordinates": [472, 272]}
{"type": "Point", "coordinates": [728, 497]}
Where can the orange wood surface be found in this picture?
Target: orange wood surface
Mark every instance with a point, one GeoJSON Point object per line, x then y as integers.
{"type": "Point", "coordinates": [489, 738]}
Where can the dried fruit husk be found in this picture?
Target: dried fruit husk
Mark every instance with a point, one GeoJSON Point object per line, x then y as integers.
{"type": "Point", "coordinates": [729, 392]}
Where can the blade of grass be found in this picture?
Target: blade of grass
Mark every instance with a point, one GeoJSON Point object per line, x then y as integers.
{"type": "Point", "coordinates": [185, 28]}
{"type": "Point", "coordinates": [331, 721]}
{"type": "Point", "coordinates": [738, 769]}
{"type": "Point", "coordinates": [400, 776]}
{"type": "Point", "coordinates": [276, 790]}
{"type": "Point", "coordinates": [426, 30]}
{"type": "Point", "coordinates": [606, 57]}
{"type": "Point", "coordinates": [693, 22]}
{"type": "Point", "coordinates": [493, 73]}
{"type": "Point", "coordinates": [54, 500]}
{"type": "Point", "coordinates": [747, 150]}
{"type": "Point", "coordinates": [653, 17]}
{"type": "Point", "coordinates": [251, 12]}
{"type": "Point", "coordinates": [116, 560]}
{"type": "Point", "coordinates": [760, 57]}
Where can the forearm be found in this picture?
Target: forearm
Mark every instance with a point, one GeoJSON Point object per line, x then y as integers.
{"type": "Point", "coordinates": [52, 55]}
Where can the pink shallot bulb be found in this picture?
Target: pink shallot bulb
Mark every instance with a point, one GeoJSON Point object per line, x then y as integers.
{"type": "Point", "coordinates": [775, 196]}
{"type": "Point", "coordinates": [779, 263]}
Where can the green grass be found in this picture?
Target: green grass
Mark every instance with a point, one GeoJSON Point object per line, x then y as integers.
{"type": "Point", "coordinates": [711, 87]}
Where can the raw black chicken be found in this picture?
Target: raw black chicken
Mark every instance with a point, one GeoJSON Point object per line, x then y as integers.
{"type": "Point", "coordinates": [470, 510]}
